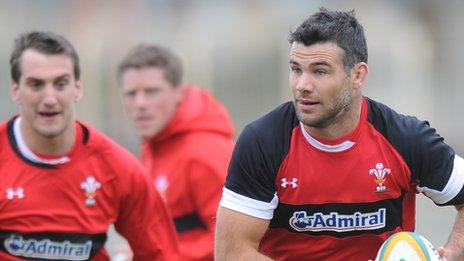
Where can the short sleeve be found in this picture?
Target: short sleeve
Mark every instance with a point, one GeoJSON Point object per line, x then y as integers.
{"type": "Point", "coordinates": [249, 185]}
{"type": "Point", "coordinates": [437, 169]}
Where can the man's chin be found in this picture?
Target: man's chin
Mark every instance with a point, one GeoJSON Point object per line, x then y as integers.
{"type": "Point", "coordinates": [146, 135]}
{"type": "Point", "coordinates": [49, 134]}
{"type": "Point", "coordinates": [306, 119]}
{"type": "Point", "coordinates": [147, 132]}
{"type": "Point", "coordinates": [313, 122]}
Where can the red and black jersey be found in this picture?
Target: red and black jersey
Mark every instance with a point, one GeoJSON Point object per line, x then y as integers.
{"type": "Point", "coordinates": [339, 200]}
{"type": "Point", "coordinates": [63, 211]}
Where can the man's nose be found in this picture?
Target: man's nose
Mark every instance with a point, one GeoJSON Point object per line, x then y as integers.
{"type": "Point", "coordinates": [305, 83]}
{"type": "Point", "coordinates": [139, 99]}
{"type": "Point", "coordinates": [50, 96]}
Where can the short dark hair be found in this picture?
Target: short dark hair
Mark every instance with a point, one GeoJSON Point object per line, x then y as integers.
{"type": "Point", "coordinates": [43, 42]}
{"type": "Point", "coordinates": [144, 55]}
{"type": "Point", "coordinates": [338, 27]}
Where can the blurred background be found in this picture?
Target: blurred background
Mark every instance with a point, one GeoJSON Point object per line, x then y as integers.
{"type": "Point", "coordinates": [239, 51]}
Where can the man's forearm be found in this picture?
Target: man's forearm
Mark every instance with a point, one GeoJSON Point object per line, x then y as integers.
{"type": "Point", "coordinates": [239, 254]}
{"type": "Point", "coordinates": [455, 246]}
{"type": "Point", "coordinates": [456, 240]}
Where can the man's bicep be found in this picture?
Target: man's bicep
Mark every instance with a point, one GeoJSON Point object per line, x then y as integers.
{"type": "Point", "coordinates": [253, 168]}
{"type": "Point", "coordinates": [237, 234]}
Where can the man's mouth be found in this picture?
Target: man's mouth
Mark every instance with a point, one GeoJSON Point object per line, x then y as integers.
{"type": "Point", "coordinates": [306, 104]}
{"type": "Point", "coordinates": [48, 114]}
{"type": "Point", "coordinates": [306, 101]}
{"type": "Point", "coordinates": [142, 118]}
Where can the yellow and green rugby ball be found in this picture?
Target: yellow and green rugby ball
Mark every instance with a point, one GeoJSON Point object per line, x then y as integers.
{"type": "Point", "coordinates": [407, 246]}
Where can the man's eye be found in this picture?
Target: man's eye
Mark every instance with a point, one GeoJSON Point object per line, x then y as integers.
{"type": "Point", "coordinates": [129, 94]}
{"type": "Point", "coordinates": [34, 85]}
{"type": "Point", "coordinates": [296, 70]}
{"type": "Point", "coordinates": [61, 85]}
{"type": "Point", "coordinates": [151, 91]}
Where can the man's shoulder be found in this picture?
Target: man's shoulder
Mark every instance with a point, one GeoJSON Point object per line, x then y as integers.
{"type": "Point", "coordinates": [282, 117]}
{"type": "Point", "coordinates": [106, 148]}
{"type": "Point", "coordinates": [269, 135]}
{"type": "Point", "coordinates": [204, 141]}
{"type": "Point", "coordinates": [3, 133]}
{"type": "Point", "coordinates": [407, 134]}
{"type": "Point", "coordinates": [384, 118]}
{"type": "Point", "coordinates": [6, 131]}
{"type": "Point", "coordinates": [3, 127]}
{"type": "Point", "coordinates": [5, 124]}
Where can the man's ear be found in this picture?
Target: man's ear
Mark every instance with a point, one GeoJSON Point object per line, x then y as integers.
{"type": "Point", "coordinates": [14, 92]}
{"type": "Point", "coordinates": [180, 92]}
{"type": "Point", "coordinates": [79, 92]}
{"type": "Point", "coordinates": [360, 73]}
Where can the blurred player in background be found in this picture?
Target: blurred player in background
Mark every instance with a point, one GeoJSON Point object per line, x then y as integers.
{"type": "Point", "coordinates": [63, 182]}
{"type": "Point", "coordinates": [186, 142]}
{"type": "Point", "coordinates": [332, 174]}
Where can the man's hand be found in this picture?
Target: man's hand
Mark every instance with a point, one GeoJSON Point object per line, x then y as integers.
{"type": "Point", "coordinates": [447, 254]}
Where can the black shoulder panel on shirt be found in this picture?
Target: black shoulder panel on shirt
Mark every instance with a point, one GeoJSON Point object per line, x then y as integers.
{"type": "Point", "coordinates": [429, 158]}
{"type": "Point", "coordinates": [259, 152]}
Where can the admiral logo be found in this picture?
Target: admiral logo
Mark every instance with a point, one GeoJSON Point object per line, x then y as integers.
{"type": "Point", "coordinates": [47, 249]}
{"type": "Point", "coordinates": [90, 186]}
{"type": "Point", "coordinates": [292, 183]}
{"type": "Point", "coordinates": [300, 221]}
{"type": "Point", "coordinates": [380, 173]}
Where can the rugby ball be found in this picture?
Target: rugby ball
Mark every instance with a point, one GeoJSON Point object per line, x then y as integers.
{"type": "Point", "coordinates": [407, 246]}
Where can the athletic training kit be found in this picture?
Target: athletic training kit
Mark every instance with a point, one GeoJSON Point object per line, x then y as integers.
{"type": "Point", "coordinates": [61, 208]}
{"type": "Point", "coordinates": [339, 200]}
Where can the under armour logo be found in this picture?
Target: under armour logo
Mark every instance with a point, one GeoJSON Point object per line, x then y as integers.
{"type": "Point", "coordinates": [12, 193]}
{"type": "Point", "coordinates": [286, 183]}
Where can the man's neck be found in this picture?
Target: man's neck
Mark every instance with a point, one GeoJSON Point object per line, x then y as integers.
{"type": "Point", "coordinates": [57, 145]}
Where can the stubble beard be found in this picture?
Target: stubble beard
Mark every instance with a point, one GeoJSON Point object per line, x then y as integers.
{"type": "Point", "coordinates": [334, 112]}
